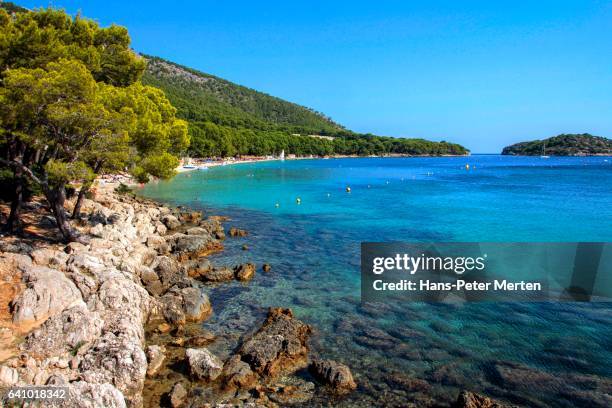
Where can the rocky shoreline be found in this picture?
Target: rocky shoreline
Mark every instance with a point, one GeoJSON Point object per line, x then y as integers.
{"type": "Point", "coordinates": [118, 320]}
{"type": "Point", "coordinates": [92, 313]}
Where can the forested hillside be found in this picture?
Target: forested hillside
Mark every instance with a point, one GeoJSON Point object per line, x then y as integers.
{"type": "Point", "coordinates": [226, 119]}
{"type": "Point", "coordinates": [203, 97]}
{"type": "Point", "coordinates": [563, 145]}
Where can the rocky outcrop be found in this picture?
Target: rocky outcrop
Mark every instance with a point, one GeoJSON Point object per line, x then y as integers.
{"type": "Point", "coordinates": [170, 221]}
{"type": "Point", "coordinates": [74, 331]}
{"type": "Point", "coordinates": [217, 274]}
{"type": "Point", "coordinates": [193, 246]}
{"type": "Point", "coordinates": [84, 306]}
{"type": "Point", "coordinates": [203, 365]}
{"type": "Point", "coordinates": [467, 399]}
{"type": "Point", "coordinates": [197, 268]}
{"type": "Point", "coordinates": [117, 360]}
{"type": "Point", "coordinates": [48, 292]}
{"type": "Point", "coordinates": [244, 272]}
{"type": "Point", "coordinates": [8, 376]}
{"type": "Point", "coordinates": [336, 375]}
{"type": "Point", "coordinates": [189, 304]}
{"type": "Point", "coordinates": [85, 395]}
{"type": "Point", "coordinates": [279, 346]}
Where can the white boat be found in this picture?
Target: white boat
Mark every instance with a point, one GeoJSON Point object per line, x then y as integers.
{"type": "Point", "coordinates": [544, 156]}
{"type": "Point", "coordinates": [282, 155]}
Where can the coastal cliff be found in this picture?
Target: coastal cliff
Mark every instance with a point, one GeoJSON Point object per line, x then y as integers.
{"type": "Point", "coordinates": [563, 145]}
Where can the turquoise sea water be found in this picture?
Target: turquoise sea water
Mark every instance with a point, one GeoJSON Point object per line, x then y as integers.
{"type": "Point", "coordinates": [534, 354]}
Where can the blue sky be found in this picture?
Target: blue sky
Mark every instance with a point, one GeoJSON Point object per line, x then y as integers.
{"type": "Point", "coordinates": [481, 73]}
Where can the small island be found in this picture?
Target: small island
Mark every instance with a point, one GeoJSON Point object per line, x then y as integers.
{"type": "Point", "coordinates": [563, 145]}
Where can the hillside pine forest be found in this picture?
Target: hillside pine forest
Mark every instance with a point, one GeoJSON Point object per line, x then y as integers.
{"type": "Point", "coordinates": [226, 119]}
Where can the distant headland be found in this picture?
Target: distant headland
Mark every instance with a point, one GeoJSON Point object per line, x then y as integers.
{"type": "Point", "coordinates": [562, 145]}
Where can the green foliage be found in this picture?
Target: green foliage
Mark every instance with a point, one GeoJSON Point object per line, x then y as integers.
{"type": "Point", "coordinates": [123, 189]}
{"type": "Point", "coordinates": [226, 119]}
{"type": "Point", "coordinates": [563, 145]}
{"type": "Point", "coordinates": [33, 39]}
{"type": "Point", "coordinates": [60, 173]}
{"type": "Point", "coordinates": [72, 106]}
{"type": "Point", "coordinates": [162, 165]}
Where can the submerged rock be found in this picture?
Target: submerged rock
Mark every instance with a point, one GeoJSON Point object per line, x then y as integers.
{"type": "Point", "coordinates": [156, 357]}
{"type": "Point", "coordinates": [177, 395]}
{"type": "Point", "coordinates": [279, 346]}
{"type": "Point", "coordinates": [203, 364]}
{"type": "Point", "coordinates": [237, 232]}
{"type": "Point", "coordinates": [336, 375]}
{"type": "Point", "coordinates": [202, 339]}
{"type": "Point", "coordinates": [291, 391]}
{"type": "Point", "coordinates": [245, 271]}
{"type": "Point", "coordinates": [467, 399]}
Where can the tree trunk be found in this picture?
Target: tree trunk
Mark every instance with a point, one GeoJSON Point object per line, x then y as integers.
{"type": "Point", "coordinates": [13, 220]}
{"type": "Point", "coordinates": [76, 213]}
{"type": "Point", "coordinates": [56, 196]}
{"type": "Point", "coordinates": [84, 189]}
{"type": "Point", "coordinates": [16, 152]}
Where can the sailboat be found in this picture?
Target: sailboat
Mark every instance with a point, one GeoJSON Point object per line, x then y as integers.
{"type": "Point", "coordinates": [282, 155]}
{"type": "Point", "coordinates": [544, 156]}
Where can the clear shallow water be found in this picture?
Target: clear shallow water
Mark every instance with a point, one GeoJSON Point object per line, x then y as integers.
{"type": "Point", "coordinates": [530, 354]}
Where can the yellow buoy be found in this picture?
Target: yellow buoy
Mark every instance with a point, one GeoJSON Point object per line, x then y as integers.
{"type": "Point", "coordinates": [467, 166]}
